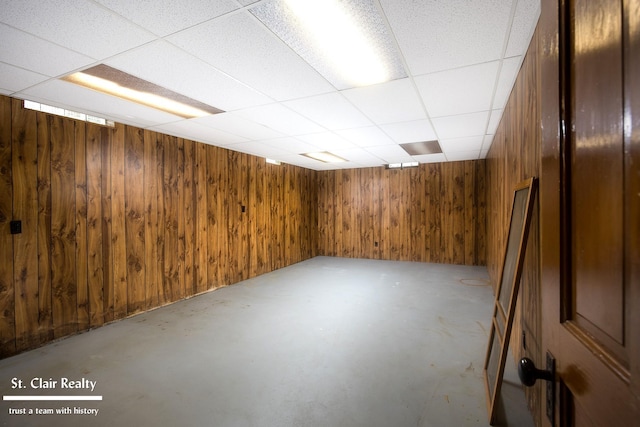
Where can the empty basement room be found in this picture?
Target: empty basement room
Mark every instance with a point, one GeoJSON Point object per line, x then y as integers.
{"type": "Point", "coordinates": [293, 213]}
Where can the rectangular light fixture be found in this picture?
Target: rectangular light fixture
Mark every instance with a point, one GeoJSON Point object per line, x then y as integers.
{"type": "Point", "coordinates": [325, 156]}
{"type": "Point", "coordinates": [403, 165]}
{"type": "Point", "coordinates": [348, 43]}
{"type": "Point", "coordinates": [50, 109]}
{"type": "Point", "coordinates": [273, 162]}
{"type": "Point", "coordinates": [111, 81]}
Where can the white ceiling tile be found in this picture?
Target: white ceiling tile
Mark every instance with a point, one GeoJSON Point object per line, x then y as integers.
{"type": "Point", "coordinates": [259, 148]}
{"type": "Point", "coordinates": [13, 79]}
{"type": "Point", "coordinates": [390, 102]}
{"type": "Point", "coordinates": [305, 162]}
{"type": "Point", "coordinates": [330, 110]}
{"type": "Point", "coordinates": [463, 155]}
{"type": "Point", "coordinates": [235, 124]}
{"type": "Point", "coordinates": [80, 25]}
{"type": "Point", "coordinates": [291, 145]}
{"type": "Point", "coordinates": [359, 155]}
{"type": "Point", "coordinates": [32, 53]}
{"type": "Point", "coordinates": [462, 144]}
{"type": "Point", "coordinates": [415, 131]}
{"type": "Point", "coordinates": [243, 48]}
{"type": "Point", "coordinates": [523, 26]}
{"type": "Point", "coordinates": [461, 126]}
{"type": "Point", "coordinates": [327, 141]}
{"type": "Point", "coordinates": [163, 17]}
{"type": "Point", "coordinates": [170, 67]}
{"type": "Point", "coordinates": [438, 35]}
{"type": "Point", "coordinates": [494, 121]}
{"type": "Point", "coordinates": [390, 153]}
{"type": "Point", "coordinates": [198, 132]}
{"type": "Point", "coordinates": [281, 119]}
{"type": "Point", "coordinates": [458, 91]}
{"type": "Point", "coordinates": [483, 153]}
{"type": "Point", "coordinates": [431, 158]}
{"type": "Point", "coordinates": [366, 137]}
{"type": "Point", "coordinates": [508, 74]}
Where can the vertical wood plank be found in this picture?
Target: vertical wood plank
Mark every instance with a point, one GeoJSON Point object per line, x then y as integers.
{"type": "Point", "coordinates": [63, 224]}
{"type": "Point", "coordinates": [339, 213]}
{"type": "Point", "coordinates": [481, 215]}
{"type": "Point", "coordinates": [457, 212]}
{"type": "Point", "coordinates": [45, 323]}
{"type": "Point", "coordinates": [365, 214]}
{"type": "Point", "coordinates": [346, 213]}
{"type": "Point", "coordinates": [189, 287]}
{"type": "Point", "coordinates": [435, 192]}
{"type": "Point", "coordinates": [7, 295]}
{"type": "Point", "coordinates": [156, 291]}
{"type": "Point", "coordinates": [95, 273]}
{"type": "Point", "coordinates": [135, 219]}
{"type": "Point", "coordinates": [243, 201]}
{"type": "Point", "coordinates": [378, 222]}
{"type": "Point", "coordinates": [405, 215]}
{"type": "Point", "coordinates": [180, 286]}
{"type": "Point", "coordinates": [262, 217]}
{"type": "Point", "coordinates": [222, 201]}
{"type": "Point", "coordinates": [150, 204]}
{"type": "Point", "coordinates": [213, 230]}
{"type": "Point", "coordinates": [118, 222]}
{"type": "Point", "coordinates": [323, 217]}
{"type": "Point", "coordinates": [253, 229]}
{"type": "Point", "coordinates": [277, 228]}
{"type": "Point", "coordinates": [107, 226]}
{"type": "Point", "coordinates": [417, 214]}
{"type": "Point", "coordinates": [232, 213]}
{"type": "Point", "coordinates": [171, 260]}
{"type": "Point", "coordinates": [81, 267]}
{"type": "Point", "coordinates": [313, 205]}
{"type": "Point", "coordinates": [396, 194]}
{"type": "Point", "coordinates": [201, 219]}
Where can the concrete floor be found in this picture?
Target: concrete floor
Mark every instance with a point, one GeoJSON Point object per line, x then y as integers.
{"type": "Point", "coordinates": [326, 342]}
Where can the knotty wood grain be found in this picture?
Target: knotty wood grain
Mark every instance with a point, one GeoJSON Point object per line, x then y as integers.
{"type": "Point", "coordinates": [45, 318]}
{"type": "Point", "coordinates": [25, 208]}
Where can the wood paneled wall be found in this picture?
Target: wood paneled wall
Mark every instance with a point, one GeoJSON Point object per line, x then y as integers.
{"type": "Point", "coordinates": [116, 221]}
{"type": "Point", "coordinates": [514, 156]}
{"type": "Point", "coordinates": [432, 213]}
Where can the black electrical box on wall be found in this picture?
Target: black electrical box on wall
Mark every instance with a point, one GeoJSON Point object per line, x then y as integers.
{"type": "Point", "coordinates": [16, 227]}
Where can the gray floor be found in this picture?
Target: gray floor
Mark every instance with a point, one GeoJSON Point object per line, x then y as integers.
{"type": "Point", "coordinates": [326, 342]}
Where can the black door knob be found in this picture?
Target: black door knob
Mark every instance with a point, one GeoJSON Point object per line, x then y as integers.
{"type": "Point", "coordinates": [528, 372]}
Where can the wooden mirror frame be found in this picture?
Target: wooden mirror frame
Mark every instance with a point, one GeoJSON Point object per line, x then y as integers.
{"type": "Point", "coordinates": [507, 291]}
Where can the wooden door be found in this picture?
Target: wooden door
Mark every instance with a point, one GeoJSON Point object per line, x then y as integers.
{"type": "Point", "coordinates": [590, 212]}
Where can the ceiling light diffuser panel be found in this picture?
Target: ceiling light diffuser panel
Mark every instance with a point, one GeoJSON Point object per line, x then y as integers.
{"type": "Point", "coordinates": [348, 43]}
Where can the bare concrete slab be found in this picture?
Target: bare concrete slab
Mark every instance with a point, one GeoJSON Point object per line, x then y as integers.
{"type": "Point", "coordinates": [326, 342]}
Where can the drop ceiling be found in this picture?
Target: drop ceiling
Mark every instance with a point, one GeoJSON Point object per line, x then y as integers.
{"type": "Point", "coordinates": [460, 60]}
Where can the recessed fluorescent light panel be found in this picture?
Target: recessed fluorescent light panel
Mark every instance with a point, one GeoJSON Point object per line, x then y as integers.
{"type": "Point", "coordinates": [273, 162]}
{"type": "Point", "coordinates": [105, 79]}
{"type": "Point", "coordinates": [348, 43]}
{"type": "Point", "coordinates": [423, 147]}
{"type": "Point", "coordinates": [325, 157]}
